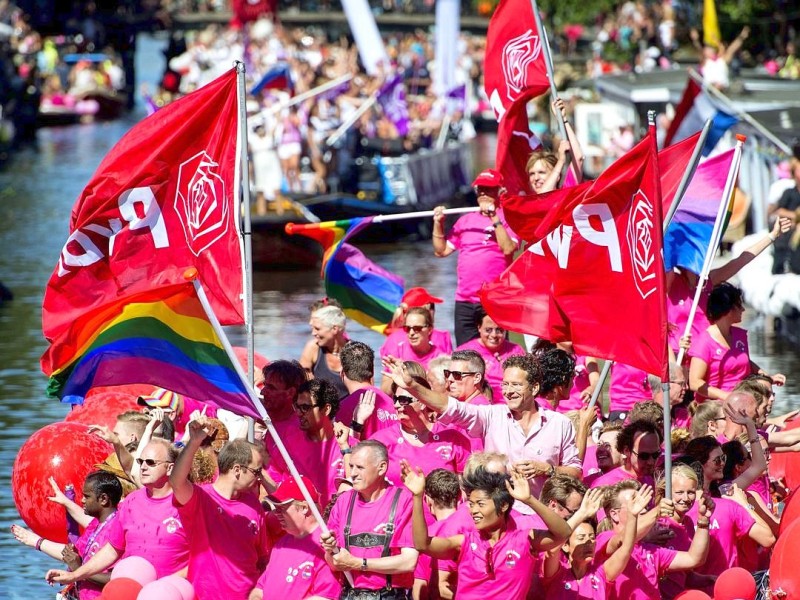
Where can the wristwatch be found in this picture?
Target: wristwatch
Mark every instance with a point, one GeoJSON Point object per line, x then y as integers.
{"type": "Point", "coordinates": [363, 564]}
{"type": "Point", "coordinates": [496, 224]}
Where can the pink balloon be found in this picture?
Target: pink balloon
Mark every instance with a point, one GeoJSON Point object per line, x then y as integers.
{"type": "Point", "coordinates": [182, 585]}
{"type": "Point", "coordinates": [136, 568]}
{"type": "Point", "coordinates": [161, 589]}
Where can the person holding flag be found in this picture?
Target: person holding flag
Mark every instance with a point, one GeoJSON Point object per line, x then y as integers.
{"type": "Point", "coordinates": [486, 248]}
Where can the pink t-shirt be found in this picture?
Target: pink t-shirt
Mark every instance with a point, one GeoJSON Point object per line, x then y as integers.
{"type": "Point", "coordinates": [404, 351]}
{"type": "Point", "coordinates": [628, 386]}
{"type": "Point", "coordinates": [371, 518]}
{"type": "Point", "coordinates": [384, 415]}
{"type": "Point", "coordinates": [480, 258]}
{"type": "Point", "coordinates": [564, 586]}
{"type": "Point", "coordinates": [639, 580]}
{"type": "Point", "coordinates": [322, 462]}
{"type": "Point", "coordinates": [297, 569]}
{"type": "Point", "coordinates": [228, 543]}
{"type": "Point", "coordinates": [428, 568]}
{"type": "Point", "coordinates": [681, 418]}
{"type": "Point", "coordinates": [613, 476]}
{"type": "Point", "coordinates": [446, 449]}
{"type": "Point", "coordinates": [153, 529]}
{"type": "Point", "coordinates": [729, 522]}
{"type": "Point", "coordinates": [579, 384]}
{"type": "Point", "coordinates": [189, 406]}
{"type": "Point", "coordinates": [500, 571]}
{"type": "Point", "coordinates": [398, 338]}
{"type": "Point", "coordinates": [726, 366]}
{"type": "Point", "coordinates": [590, 462]}
{"type": "Point", "coordinates": [494, 363]}
{"type": "Point", "coordinates": [679, 303]}
{"type": "Point", "coordinates": [93, 538]}
{"type": "Point", "coordinates": [674, 582]}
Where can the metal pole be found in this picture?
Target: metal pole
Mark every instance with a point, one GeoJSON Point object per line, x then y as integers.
{"type": "Point", "coordinates": [292, 228]}
{"type": "Point", "coordinates": [244, 182]}
{"type": "Point", "coordinates": [334, 137]}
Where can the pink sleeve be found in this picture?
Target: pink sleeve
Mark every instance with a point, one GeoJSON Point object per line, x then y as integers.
{"type": "Point", "coordinates": [665, 556]}
{"type": "Point", "coordinates": [454, 237]}
{"type": "Point", "coordinates": [116, 534]}
{"type": "Point", "coordinates": [423, 569]}
{"type": "Point", "coordinates": [569, 452]}
{"type": "Point", "coordinates": [701, 348]}
{"type": "Point", "coordinates": [461, 451]}
{"type": "Point", "coordinates": [334, 519]}
{"type": "Point", "coordinates": [742, 521]}
{"type": "Point", "coordinates": [325, 584]}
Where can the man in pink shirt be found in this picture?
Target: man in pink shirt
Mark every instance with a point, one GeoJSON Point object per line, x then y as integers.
{"type": "Point", "coordinates": [147, 524]}
{"type": "Point", "coordinates": [639, 443]}
{"type": "Point", "coordinates": [228, 541]}
{"type": "Point", "coordinates": [358, 374]}
{"type": "Point", "coordinates": [297, 567]}
{"type": "Point", "coordinates": [538, 442]}
{"type": "Point", "coordinates": [370, 531]}
{"type": "Point", "coordinates": [486, 247]}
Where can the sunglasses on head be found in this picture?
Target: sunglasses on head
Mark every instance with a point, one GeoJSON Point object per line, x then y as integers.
{"type": "Point", "coordinates": [414, 328]}
{"type": "Point", "coordinates": [457, 375]}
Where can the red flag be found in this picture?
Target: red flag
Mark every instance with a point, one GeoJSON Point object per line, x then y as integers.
{"type": "Point", "coordinates": [245, 11]}
{"type": "Point", "coordinates": [163, 200]}
{"type": "Point", "coordinates": [514, 73]}
{"type": "Point", "coordinates": [672, 164]}
{"type": "Point", "coordinates": [597, 274]}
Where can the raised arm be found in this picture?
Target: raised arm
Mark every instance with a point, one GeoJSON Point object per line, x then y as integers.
{"type": "Point", "coordinates": [104, 433]}
{"type": "Point", "coordinates": [182, 488]}
{"type": "Point", "coordinates": [440, 247]}
{"type": "Point", "coordinates": [396, 370]}
{"type": "Point", "coordinates": [616, 563]}
{"type": "Point", "coordinates": [696, 555]}
{"type": "Point", "coordinates": [74, 509]}
{"type": "Point", "coordinates": [758, 464]}
{"type": "Point", "coordinates": [558, 529]}
{"type": "Point", "coordinates": [732, 267]}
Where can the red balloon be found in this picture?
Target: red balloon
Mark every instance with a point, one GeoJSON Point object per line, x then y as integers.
{"type": "Point", "coordinates": [103, 408]}
{"type": "Point", "coordinates": [68, 453]}
{"type": "Point", "coordinates": [121, 589]}
{"type": "Point", "coordinates": [260, 360]}
{"type": "Point", "coordinates": [791, 511]}
{"type": "Point", "coordinates": [692, 595]}
{"type": "Point", "coordinates": [735, 583]}
{"type": "Point", "coordinates": [783, 572]}
{"type": "Point", "coordinates": [779, 461]}
{"type": "Point", "coordinates": [133, 389]}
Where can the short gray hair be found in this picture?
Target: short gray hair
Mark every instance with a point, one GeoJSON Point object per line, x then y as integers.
{"type": "Point", "coordinates": [331, 316]}
{"type": "Point", "coordinates": [379, 451]}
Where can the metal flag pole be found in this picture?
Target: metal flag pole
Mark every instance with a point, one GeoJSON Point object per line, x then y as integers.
{"type": "Point", "coordinates": [292, 228]}
{"type": "Point", "coordinates": [244, 182]}
{"type": "Point", "coordinates": [334, 137]}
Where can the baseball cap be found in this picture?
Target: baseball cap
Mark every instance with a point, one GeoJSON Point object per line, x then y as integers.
{"type": "Point", "coordinates": [419, 296]}
{"type": "Point", "coordinates": [288, 491]}
{"type": "Point", "coordinates": [160, 398]}
{"type": "Point", "coordinates": [488, 178]}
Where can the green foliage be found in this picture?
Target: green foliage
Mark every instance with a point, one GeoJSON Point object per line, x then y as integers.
{"type": "Point", "coordinates": [561, 12]}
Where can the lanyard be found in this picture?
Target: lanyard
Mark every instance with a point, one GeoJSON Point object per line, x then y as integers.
{"type": "Point", "coordinates": [97, 531]}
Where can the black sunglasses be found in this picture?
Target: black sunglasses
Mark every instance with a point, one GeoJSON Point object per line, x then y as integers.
{"type": "Point", "coordinates": [647, 455]}
{"type": "Point", "coordinates": [415, 328]}
{"type": "Point", "coordinates": [403, 400]}
{"type": "Point", "coordinates": [152, 462]}
{"type": "Point", "coordinates": [458, 375]}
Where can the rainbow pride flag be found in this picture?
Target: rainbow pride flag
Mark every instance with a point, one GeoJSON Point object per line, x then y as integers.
{"type": "Point", "coordinates": [689, 234]}
{"type": "Point", "coordinates": [162, 337]}
{"type": "Point", "coordinates": [369, 294]}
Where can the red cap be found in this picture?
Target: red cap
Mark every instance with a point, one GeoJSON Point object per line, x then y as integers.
{"type": "Point", "coordinates": [488, 178]}
{"type": "Point", "coordinates": [288, 490]}
{"type": "Point", "coordinates": [419, 296]}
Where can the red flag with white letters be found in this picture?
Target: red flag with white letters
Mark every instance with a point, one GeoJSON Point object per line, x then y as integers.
{"type": "Point", "coordinates": [596, 277]}
{"type": "Point", "coordinates": [163, 200]}
{"type": "Point", "coordinates": [514, 73]}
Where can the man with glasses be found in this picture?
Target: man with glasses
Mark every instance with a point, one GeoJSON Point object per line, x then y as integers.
{"type": "Point", "coordinates": [228, 541]}
{"type": "Point", "coordinates": [538, 442]}
{"type": "Point", "coordinates": [639, 443]}
{"type": "Point", "coordinates": [297, 566]}
{"type": "Point", "coordinates": [486, 248]}
{"type": "Point", "coordinates": [147, 523]}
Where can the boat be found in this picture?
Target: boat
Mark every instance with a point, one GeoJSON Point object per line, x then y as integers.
{"type": "Point", "coordinates": [273, 248]}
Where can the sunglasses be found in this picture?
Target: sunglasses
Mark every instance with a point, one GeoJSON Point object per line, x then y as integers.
{"type": "Point", "coordinates": [152, 462]}
{"type": "Point", "coordinates": [303, 408]}
{"type": "Point", "coordinates": [458, 375]}
{"type": "Point", "coordinates": [254, 472]}
{"type": "Point", "coordinates": [486, 191]}
{"type": "Point", "coordinates": [414, 328]}
{"type": "Point", "coordinates": [403, 400]}
{"type": "Point", "coordinates": [648, 455]}
{"type": "Point", "coordinates": [720, 460]}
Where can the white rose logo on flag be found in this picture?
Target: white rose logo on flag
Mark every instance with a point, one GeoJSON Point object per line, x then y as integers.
{"type": "Point", "coordinates": [518, 54]}
{"type": "Point", "coordinates": [201, 202]}
{"type": "Point", "coordinates": [640, 241]}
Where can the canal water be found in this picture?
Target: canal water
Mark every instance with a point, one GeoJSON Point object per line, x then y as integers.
{"type": "Point", "coordinates": [37, 192]}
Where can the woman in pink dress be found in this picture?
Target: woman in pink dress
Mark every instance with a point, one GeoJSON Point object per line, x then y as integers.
{"type": "Point", "coordinates": [720, 355]}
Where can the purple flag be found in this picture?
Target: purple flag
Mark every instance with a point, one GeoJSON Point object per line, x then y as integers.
{"type": "Point", "coordinates": [457, 98]}
{"type": "Point", "coordinates": [335, 92]}
{"type": "Point", "coordinates": [392, 97]}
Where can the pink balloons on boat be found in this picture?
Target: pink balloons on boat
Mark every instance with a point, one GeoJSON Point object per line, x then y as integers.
{"type": "Point", "coordinates": [160, 589]}
{"type": "Point", "coordinates": [68, 453]}
{"type": "Point", "coordinates": [692, 595]}
{"type": "Point", "coordinates": [135, 567]}
{"type": "Point", "coordinates": [791, 510]}
{"type": "Point", "coordinates": [123, 588]}
{"type": "Point", "coordinates": [735, 584]}
{"type": "Point", "coordinates": [182, 585]}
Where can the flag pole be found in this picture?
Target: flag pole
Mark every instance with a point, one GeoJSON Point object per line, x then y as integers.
{"type": "Point", "coordinates": [689, 173]}
{"type": "Point", "coordinates": [740, 113]}
{"type": "Point", "coordinates": [548, 62]}
{"type": "Point", "coordinates": [334, 137]}
{"type": "Point", "coordinates": [244, 182]}
{"type": "Point", "coordinates": [256, 401]}
{"type": "Point", "coordinates": [716, 236]}
{"type": "Point", "coordinates": [292, 228]}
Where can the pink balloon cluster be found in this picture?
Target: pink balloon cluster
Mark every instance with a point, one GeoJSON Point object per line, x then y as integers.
{"type": "Point", "coordinates": [134, 578]}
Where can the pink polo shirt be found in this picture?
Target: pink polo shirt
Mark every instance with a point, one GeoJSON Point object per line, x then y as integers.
{"type": "Point", "coordinates": [550, 440]}
{"type": "Point", "coordinates": [371, 518]}
{"type": "Point", "coordinates": [565, 586]}
{"type": "Point", "coordinates": [616, 475]}
{"type": "Point", "coordinates": [679, 303]}
{"type": "Point", "coordinates": [726, 366]}
{"type": "Point", "coordinates": [428, 568]}
{"type": "Point", "coordinates": [675, 582]}
{"type": "Point", "coordinates": [91, 540]}
{"type": "Point", "coordinates": [480, 258]}
{"type": "Point", "coordinates": [579, 384]}
{"type": "Point", "coordinates": [590, 462]}
{"type": "Point", "coordinates": [404, 351]}
{"type": "Point", "coordinates": [628, 386]}
{"type": "Point", "coordinates": [639, 580]}
{"type": "Point", "coordinates": [384, 415]}
{"type": "Point", "coordinates": [228, 543]}
{"type": "Point", "coordinates": [153, 529]}
{"type": "Point", "coordinates": [446, 449]}
{"type": "Point", "coordinates": [728, 523]}
{"type": "Point", "coordinates": [398, 338]}
{"type": "Point", "coordinates": [297, 569]}
{"type": "Point", "coordinates": [504, 570]}
{"type": "Point", "coordinates": [494, 363]}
